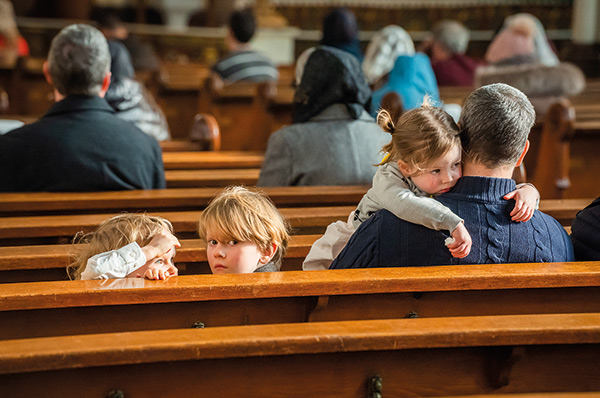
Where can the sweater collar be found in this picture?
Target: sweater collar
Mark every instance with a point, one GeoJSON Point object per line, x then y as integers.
{"type": "Point", "coordinates": [481, 189]}
{"type": "Point", "coordinates": [76, 103]}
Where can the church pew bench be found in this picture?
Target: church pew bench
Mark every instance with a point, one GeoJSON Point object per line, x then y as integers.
{"type": "Point", "coordinates": [405, 357]}
{"type": "Point", "coordinates": [118, 305]}
{"type": "Point", "coordinates": [180, 199]}
{"type": "Point", "coordinates": [49, 262]}
{"type": "Point", "coordinates": [62, 228]}
{"type": "Point", "coordinates": [211, 178]}
{"type": "Point", "coordinates": [212, 160]}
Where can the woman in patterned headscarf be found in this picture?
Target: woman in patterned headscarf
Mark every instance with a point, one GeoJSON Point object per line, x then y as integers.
{"type": "Point", "coordinates": [333, 140]}
{"type": "Point", "coordinates": [391, 64]}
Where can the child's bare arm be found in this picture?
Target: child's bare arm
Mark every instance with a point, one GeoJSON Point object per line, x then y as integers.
{"type": "Point", "coordinates": [160, 244]}
{"type": "Point", "coordinates": [526, 199]}
{"type": "Point", "coordinates": [461, 245]}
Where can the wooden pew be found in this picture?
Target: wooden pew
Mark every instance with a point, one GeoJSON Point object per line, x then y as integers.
{"type": "Point", "coordinates": [242, 119]}
{"type": "Point", "coordinates": [82, 307]}
{"type": "Point", "coordinates": [406, 357]}
{"type": "Point", "coordinates": [59, 228]}
{"type": "Point", "coordinates": [212, 160]}
{"type": "Point", "coordinates": [211, 178]}
{"type": "Point", "coordinates": [180, 199]}
{"type": "Point", "coordinates": [48, 262]}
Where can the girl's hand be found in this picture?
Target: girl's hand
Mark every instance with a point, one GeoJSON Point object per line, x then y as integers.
{"type": "Point", "coordinates": [461, 247]}
{"type": "Point", "coordinates": [162, 271]}
{"type": "Point", "coordinates": [526, 199]}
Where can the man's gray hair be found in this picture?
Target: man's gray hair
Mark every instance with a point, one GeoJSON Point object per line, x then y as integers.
{"type": "Point", "coordinates": [496, 120]}
{"type": "Point", "coordinates": [79, 59]}
{"type": "Point", "coordinates": [451, 35]}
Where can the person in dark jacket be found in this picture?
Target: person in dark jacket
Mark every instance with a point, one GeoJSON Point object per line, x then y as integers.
{"type": "Point", "coordinates": [478, 198]}
{"type": "Point", "coordinates": [585, 233]}
{"type": "Point", "coordinates": [80, 144]}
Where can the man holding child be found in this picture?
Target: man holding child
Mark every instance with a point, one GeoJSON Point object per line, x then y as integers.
{"type": "Point", "coordinates": [496, 120]}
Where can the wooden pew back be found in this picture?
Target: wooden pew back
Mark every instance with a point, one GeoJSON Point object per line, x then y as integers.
{"type": "Point", "coordinates": [416, 357]}
{"type": "Point", "coordinates": [297, 296]}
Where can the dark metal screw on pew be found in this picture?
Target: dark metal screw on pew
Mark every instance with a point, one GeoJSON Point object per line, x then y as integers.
{"type": "Point", "coordinates": [115, 394]}
{"type": "Point", "coordinates": [198, 325]}
{"type": "Point", "coordinates": [374, 384]}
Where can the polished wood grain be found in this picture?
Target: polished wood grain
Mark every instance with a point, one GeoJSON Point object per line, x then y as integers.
{"type": "Point", "coordinates": [412, 357]}
{"type": "Point", "coordinates": [185, 223]}
{"type": "Point", "coordinates": [78, 307]}
{"type": "Point", "coordinates": [167, 199]}
{"type": "Point", "coordinates": [212, 160]}
{"type": "Point", "coordinates": [211, 178]}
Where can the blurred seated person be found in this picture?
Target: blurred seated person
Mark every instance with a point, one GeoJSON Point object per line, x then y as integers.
{"type": "Point", "coordinates": [447, 49]}
{"type": "Point", "coordinates": [79, 144]}
{"type": "Point", "coordinates": [130, 99]}
{"type": "Point", "coordinates": [340, 31]}
{"type": "Point", "coordinates": [391, 64]}
{"type": "Point", "coordinates": [242, 64]}
{"type": "Point", "coordinates": [521, 56]}
{"type": "Point", "coordinates": [12, 44]}
{"type": "Point", "coordinates": [585, 233]}
{"type": "Point", "coordinates": [143, 56]}
{"type": "Point", "coordinates": [333, 140]}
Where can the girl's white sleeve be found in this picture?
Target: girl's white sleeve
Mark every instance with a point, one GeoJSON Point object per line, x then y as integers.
{"type": "Point", "coordinates": [115, 263]}
{"type": "Point", "coordinates": [391, 193]}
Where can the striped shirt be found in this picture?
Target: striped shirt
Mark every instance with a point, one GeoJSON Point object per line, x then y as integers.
{"type": "Point", "coordinates": [247, 66]}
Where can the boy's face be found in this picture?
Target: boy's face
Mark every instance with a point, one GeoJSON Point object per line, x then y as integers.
{"type": "Point", "coordinates": [442, 175]}
{"type": "Point", "coordinates": [233, 257]}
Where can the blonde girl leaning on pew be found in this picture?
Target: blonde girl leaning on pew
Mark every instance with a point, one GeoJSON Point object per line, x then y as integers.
{"type": "Point", "coordinates": [127, 246]}
{"type": "Point", "coordinates": [423, 159]}
{"type": "Point", "coordinates": [244, 233]}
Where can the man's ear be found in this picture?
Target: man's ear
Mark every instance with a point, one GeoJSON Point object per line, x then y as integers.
{"type": "Point", "coordinates": [523, 154]}
{"type": "Point", "coordinates": [46, 69]}
{"type": "Point", "coordinates": [268, 254]}
{"type": "Point", "coordinates": [405, 169]}
{"type": "Point", "coordinates": [105, 85]}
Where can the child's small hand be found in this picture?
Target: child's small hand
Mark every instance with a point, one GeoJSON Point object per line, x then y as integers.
{"type": "Point", "coordinates": [461, 247]}
{"type": "Point", "coordinates": [526, 198]}
{"type": "Point", "coordinates": [160, 271]}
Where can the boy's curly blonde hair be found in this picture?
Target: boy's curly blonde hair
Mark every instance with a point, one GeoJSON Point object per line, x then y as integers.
{"type": "Point", "coordinates": [240, 214]}
{"type": "Point", "coordinates": [113, 234]}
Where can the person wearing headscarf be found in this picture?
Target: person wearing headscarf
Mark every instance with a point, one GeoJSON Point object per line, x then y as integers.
{"type": "Point", "coordinates": [12, 44]}
{"type": "Point", "coordinates": [521, 56]}
{"type": "Point", "coordinates": [391, 64]}
{"type": "Point", "coordinates": [129, 98]}
{"type": "Point", "coordinates": [340, 31]}
{"type": "Point", "coordinates": [542, 48]}
{"type": "Point", "coordinates": [333, 140]}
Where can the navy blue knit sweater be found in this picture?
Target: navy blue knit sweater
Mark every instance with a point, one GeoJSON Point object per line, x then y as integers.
{"type": "Point", "coordinates": [585, 232]}
{"type": "Point", "coordinates": [386, 241]}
